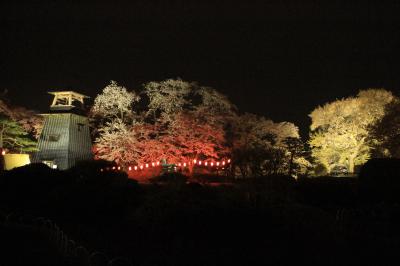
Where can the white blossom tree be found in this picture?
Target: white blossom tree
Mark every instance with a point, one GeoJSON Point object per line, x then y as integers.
{"type": "Point", "coordinates": [213, 106]}
{"type": "Point", "coordinates": [116, 142]}
{"type": "Point", "coordinates": [113, 118]}
{"type": "Point", "coordinates": [115, 102]}
{"type": "Point", "coordinates": [167, 98]}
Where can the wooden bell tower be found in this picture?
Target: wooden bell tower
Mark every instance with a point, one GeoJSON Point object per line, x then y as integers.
{"type": "Point", "coordinates": [65, 138]}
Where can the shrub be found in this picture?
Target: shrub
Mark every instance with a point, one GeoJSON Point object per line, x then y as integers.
{"type": "Point", "coordinates": [170, 178]}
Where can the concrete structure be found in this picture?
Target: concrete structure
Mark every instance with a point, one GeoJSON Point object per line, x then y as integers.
{"type": "Point", "coordinates": [12, 161]}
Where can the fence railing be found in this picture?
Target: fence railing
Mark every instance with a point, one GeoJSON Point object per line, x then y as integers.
{"type": "Point", "coordinates": [73, 253]}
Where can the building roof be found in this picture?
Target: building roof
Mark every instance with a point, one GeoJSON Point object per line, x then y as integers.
{"type": "Point", "coordinates": [72, 93]}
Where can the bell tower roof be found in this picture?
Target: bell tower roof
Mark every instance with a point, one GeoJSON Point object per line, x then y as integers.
{"type": "Point", "coordinates": [67, 100]}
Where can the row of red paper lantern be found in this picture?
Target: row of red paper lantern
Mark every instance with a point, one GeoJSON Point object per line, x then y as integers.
{"type": "Point", "coordinates": [195, 162]}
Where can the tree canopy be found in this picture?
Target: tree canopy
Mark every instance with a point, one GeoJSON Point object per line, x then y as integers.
{"type": "Point", "coordinates": [14, 137]}
{"type": "Point", "coordinates": [262, 147]}
{"type": "Point", "coordinates": [18, 128]}
{"type": "Point", "coordinates": [340, 130]}
{"type": "Point", "coordinates": [183, 121]}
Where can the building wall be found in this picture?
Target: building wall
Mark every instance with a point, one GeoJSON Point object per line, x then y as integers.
{"type": "Point", "coordinates": [65, 140]}
{"type": "Point", "coordinates": [80, 144]}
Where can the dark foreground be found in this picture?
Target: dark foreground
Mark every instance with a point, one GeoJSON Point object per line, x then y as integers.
{"type": "Point", "coordinates": [260, 221]}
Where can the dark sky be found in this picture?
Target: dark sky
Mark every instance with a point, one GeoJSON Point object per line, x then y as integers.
{"type": "Point", "coordinates": [279, 59]}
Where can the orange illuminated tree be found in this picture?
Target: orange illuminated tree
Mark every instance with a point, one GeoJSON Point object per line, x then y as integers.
{"type": "Point", "coordinates": [187, 122]}
{"type": "Point", "coordinates": [176, 120]}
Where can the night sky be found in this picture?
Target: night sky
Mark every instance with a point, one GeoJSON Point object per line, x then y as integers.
{"type": "Point", "coordinates": [279, 59]}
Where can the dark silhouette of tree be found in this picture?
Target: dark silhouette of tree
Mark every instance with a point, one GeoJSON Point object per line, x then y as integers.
{"type": "Point", "coordinates": [295, 146]}
{"type": "Point", "coordinates": [260, 146]}
{"type": "Point", "coordinates": [386, 133]}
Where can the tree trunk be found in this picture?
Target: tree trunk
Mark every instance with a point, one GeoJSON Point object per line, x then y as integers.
{"type": "Point", "coordinates": [190, 168]}
{"type": "Point", "coordinates": [232, 171]}
{"type": "Point", "coordinates": [351, 165]}
{"type": "Point", "coordinates": [1, 136]}
{"type": "Point", "coordinates": [291, 163]}
{"type": "Point", "coordinates": [243, 172]}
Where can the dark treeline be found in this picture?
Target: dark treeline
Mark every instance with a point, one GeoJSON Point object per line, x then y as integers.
{"type": "Point", "coordinates": [273, 220]}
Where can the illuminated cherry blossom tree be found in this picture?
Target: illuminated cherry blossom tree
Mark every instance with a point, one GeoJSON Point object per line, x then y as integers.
{"type": "Point", "coordinates": [112, 118]}
{"type": "Point", "coordinates": [115, 102]}
{"type": "Point", "coordinates": [116, 143]}
{"type": "Point", "coordinates": [167, 98]}
{"type": "Point", "coordinates": [181, 121]}
{"type": "Point", "coordinates": [340, 129]}
{"type": "Point", "coordinates": [188, 121]}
